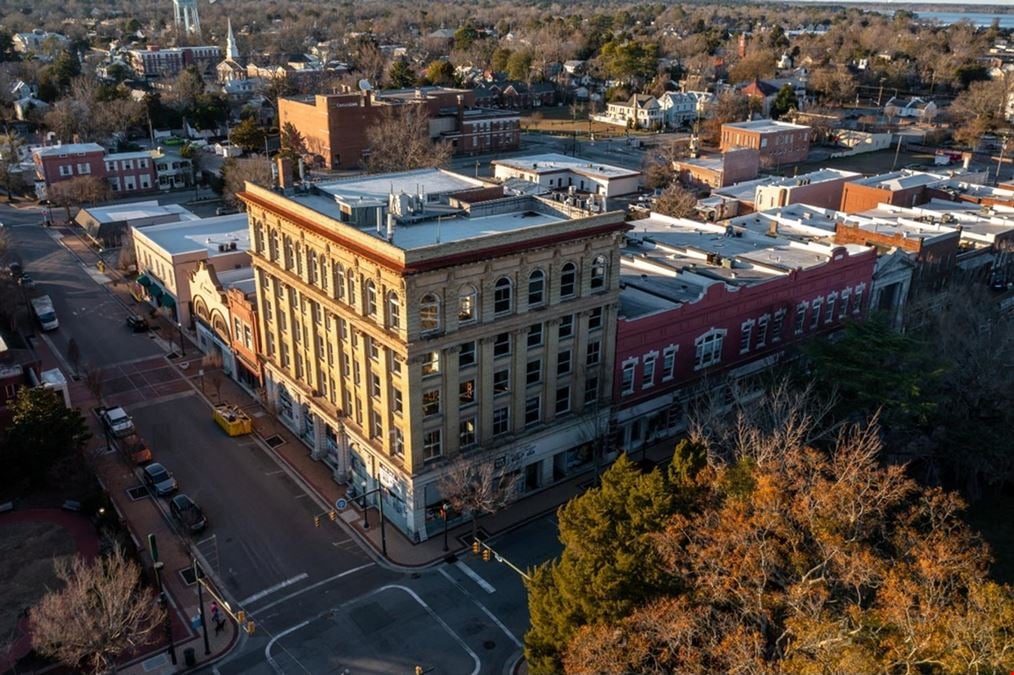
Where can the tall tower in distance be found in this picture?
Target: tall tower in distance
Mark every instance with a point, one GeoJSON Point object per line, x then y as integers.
{"type": "Point", "coordinates": [231, 50]}
{"type": "Point", "coordinates": [185, 12]}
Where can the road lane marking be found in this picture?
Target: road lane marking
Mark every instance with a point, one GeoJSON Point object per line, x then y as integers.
{"type": "Point", "coordinates": [471, 574]}
{"type": "Point", "coordinates": [311, 587]}
{"type": "Point", "coordinates": [273, 473]}
{"type": "Point", "coordinates": [483, 607]}
{"type": "Point", "coordinates": [429, 610]}
{"type": "Point", "coordinates": [271, 589]}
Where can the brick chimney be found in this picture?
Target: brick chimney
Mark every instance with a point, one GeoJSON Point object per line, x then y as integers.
{"type": "Point", "coordinates": [285, 181]}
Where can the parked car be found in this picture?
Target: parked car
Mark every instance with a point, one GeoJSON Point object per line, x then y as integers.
{"type": "Point", "coordinates": [187, 513]}
{"type": "Point", "coordinates": [15, 269]}
{"type": "Point", "coordinates": [137, 323]}
{"type": "Point", "coordinates": [225, 211]}
{"type": "Point", "coordinates": [118, 422]}
{"type": "Point", "coordinates": [26, 281]}
{"type": "Point", "coordinates": [159, 479]}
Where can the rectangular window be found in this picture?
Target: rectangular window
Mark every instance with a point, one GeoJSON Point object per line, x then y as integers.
{"type": "Point", "coordinates": [857, 299]}
{"type": "Point", "coordinates": [829, 314]}
{"type": "Point", "coordinates": [502, 381]}
{"type": "Point", "coordinates": [394, 363]}
{"type": "Point", "coordinates": [627, 383]}
{"type": "Point", "coordinates": [533, 410]}
{"type": "Point", "coordinates": [396, 404]}
{"type": "Point", "coordinates": [374, 350]}
{"type": "Point", "coordinates": [431, 363]}
{"type": "Point", "coordinates": [594, 353]}
{"type": "Point", "coordinates": [355, 373]}
{"type": "Point", "coordinates": [777, 326]}
{"type": "Point", "coordinates": [502, 345]}
{"type": "Point", "coordinates": [501, 421]}
{"type": "Point", "coordinates": [562, 400]}
{"type": "Point", "coordinates": [669, 363]}
{"type": "Point", "coordinates": [566, 326]}
{"type": "Point", "coordinates": [762, 331]}
{"type": "Point", "coordinates": [591, 390]}
{"type": "Point", "coordinates": [843, 308]}
{"type": "Point", "coordinates": [745, 336]}
{"type": "Point", "coordinates": [466, 431]}
{"type": "Point", "coordinates": [648, 371]}
{"type": "Point", "coordinates": [535, 335]}
{"type": "Point", "coordinates": [376, 425]}
{"type": "Point", "coordinates": [397, 442]}
{"type": "Point", "coordinates": [466, 392]}
{"type": "Point", "coordinates": [595, 319]}
{"type": "Point", "coordinates": [800, 320]}
{"type": "Point", "coordinates": [431, 444]}
{"type": "Point", "coordinates": [815, 312]}
{"type": "Point", "coordinates": [563, 362]}
{"type": "Point", "coordinates": [375, 385]}
{"type": "Point", "coordinates": [466, 354]}
{"type": "Point", "coordinates": [533, 374]}
{"type": "Point", "coordinates": [431, 402]}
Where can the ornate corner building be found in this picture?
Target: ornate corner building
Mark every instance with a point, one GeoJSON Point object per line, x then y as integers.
{"type": "Point", "coordinates": [412, 319]}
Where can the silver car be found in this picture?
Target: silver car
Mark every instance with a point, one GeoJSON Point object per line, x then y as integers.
{"type": "Point", "coordinates": [159, 479]}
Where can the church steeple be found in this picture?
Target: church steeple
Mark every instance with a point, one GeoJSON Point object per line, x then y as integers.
{"type": "Point", "coordinates": [231, 50]}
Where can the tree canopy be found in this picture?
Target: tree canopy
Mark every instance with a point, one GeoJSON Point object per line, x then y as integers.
{"type": "Point", "coordinates": [42, 430]}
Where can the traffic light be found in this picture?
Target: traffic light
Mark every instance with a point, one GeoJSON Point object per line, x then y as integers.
{"type": "Point", "coordinates": [485, 555]}
{"type": "Point", "coordinates": [250, 627]}
{"type": "Point", "coordinates": [475, 548]}
{"type": "Point", "coordinates": [240, 617]}
{"type": "Point", "coordinates": [419, 670]}
{"type": "Point", "coordinates": [316, 521]}
{"type": "Point", "coordinates": [333, 515]}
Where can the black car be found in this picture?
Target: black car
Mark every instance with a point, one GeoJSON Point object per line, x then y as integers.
{"type": "Point", "coordinates": [136, 323]}
{"type": "Point", "coordinates": [187, 513]}
{"type": "Point", "coordinates": [26, 281]}
{"type": "Point", "coordinates": [15, 269]}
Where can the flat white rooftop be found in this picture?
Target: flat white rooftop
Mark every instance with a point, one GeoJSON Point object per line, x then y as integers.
{"type": "Point", "coordinates": [554, 163]}
{"type": "Point", "coordinates": [140, 154]}
{"type": "Point", "coordinates": [379, 187]}
{"type": "Point", "coordinates": [901, 180]}
{"type": "Point", "coordinates": [747, 190]}
{"type": "Point", "coordinates": [766, 126]}
{"type": "Point", "coordinates": [795, 221]}
{"type": "Point", "coordinates": [204, 234]}
{"type": "Point", "coordinates": [138, 211]}
{"type": "Point", "coordinates": [68, 149]}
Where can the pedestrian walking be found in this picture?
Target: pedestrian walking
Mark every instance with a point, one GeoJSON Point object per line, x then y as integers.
{"type": "Point", "coordinates": [219, 625]}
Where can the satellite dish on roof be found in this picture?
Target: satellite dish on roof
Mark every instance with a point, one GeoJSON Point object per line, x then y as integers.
{"type": "Point", "coordinates": [364, 85]}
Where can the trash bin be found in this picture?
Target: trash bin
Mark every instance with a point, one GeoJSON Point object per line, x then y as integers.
{"type": "Point", "coordinates": [189, 657]}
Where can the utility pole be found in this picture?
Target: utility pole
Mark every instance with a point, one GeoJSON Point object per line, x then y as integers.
{"type": "Point", "coordinates": [999, 163]}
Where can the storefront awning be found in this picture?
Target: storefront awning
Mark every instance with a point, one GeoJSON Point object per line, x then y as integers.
{"type": "Point", "coordinates": [155, 291]}
{"type": "Point", "coordinates": [167, 301]}
{"type": "Point", "coordinates": [144, 280]}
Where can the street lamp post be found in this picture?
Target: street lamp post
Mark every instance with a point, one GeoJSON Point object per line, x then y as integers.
{"type": "Point", "coordinates": [366, 511]}
{"type": "Point", "coordinates": [443, 511]}
{"type": "Point", "coordinates": [183, 349]}
{"type": "Point", "coordinates": [200, 603]}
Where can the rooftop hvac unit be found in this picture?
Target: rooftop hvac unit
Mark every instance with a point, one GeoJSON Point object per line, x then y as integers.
{"type": "Point", "coordinates": [222, 247]}
{"type": "Point", "coordinates": [232, 246]}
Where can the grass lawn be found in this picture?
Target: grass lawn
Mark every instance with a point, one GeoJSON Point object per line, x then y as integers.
{"type": "Point", "coordinates": [991, 517]}
{"type": "Point", "coordinates": [559, 120]}
{"type": "Point", "coordinates": [26, 567]}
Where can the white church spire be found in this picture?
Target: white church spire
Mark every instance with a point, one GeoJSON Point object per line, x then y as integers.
{"type": "Point", "coordinates": [231, 50]}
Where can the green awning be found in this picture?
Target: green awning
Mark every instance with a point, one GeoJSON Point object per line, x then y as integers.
{"type": "Point", "coordinates": [144, 280]}
{"type": "Point", "coordinates": [167, 301]}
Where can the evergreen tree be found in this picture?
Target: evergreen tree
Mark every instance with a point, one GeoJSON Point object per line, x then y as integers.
{"type": "Point", "coordinates": [248, 135]}
{"type": "Point", "coordinates": [401, 75]}
{"type": "Point", "coordinates": [42, 431]}
{"type": "Point", "coordinates": [785, 100]}
{"type": "Point", "coordinates": [609, 566]}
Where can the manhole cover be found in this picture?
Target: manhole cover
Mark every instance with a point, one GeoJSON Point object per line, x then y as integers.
{"type": "Point", "coordinates": [188, 575]}
{"type": "Point", "coordinates": [137, 493]}
{"type": "Point", "coordinates": [489, 644]}
{"type": "Point", "coordinates": [274, 441]}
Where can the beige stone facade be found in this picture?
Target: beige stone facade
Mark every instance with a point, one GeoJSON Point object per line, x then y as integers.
{"type": "Point", "coordinates": [391, 360]}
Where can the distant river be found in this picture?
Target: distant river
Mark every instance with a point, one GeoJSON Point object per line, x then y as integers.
{"type": "Point", "coordinates": [977, 18]}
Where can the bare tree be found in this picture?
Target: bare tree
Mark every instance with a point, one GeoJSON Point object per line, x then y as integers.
{"type": "Point", "coordinates": [677, 202]}
{"type": "Point", "coordinates": [126, 261]}
{"type": "Point", "coordinates": [238, 171]}
{"type": "Point", "coordinates": [400, 140]}
{"type": "Point", "coordinates": [211, 366]}
{"type": "Point", "coordinates": [74, 355]}
{"type": "Point", "coordinates": [77, 192]}
{"type": "Point", "coordinates": [476, 489]}
{"type": "Point", "coordinates": [94, 379]}
{"type": "Point", "coordinates": [100, 613]}
{"type": "Point", "coordinates": [11, 176]}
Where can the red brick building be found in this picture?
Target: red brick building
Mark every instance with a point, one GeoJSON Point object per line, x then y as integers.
{"type": "Point", "coordinates": [776, 142]}
{"type": "Point", "coordinates": [703, 308]}
{"type": "Point", "coordinates": [154, 61]}
{"type": "Point", "coordinates": [899, 188]}
{"type": "Point", "coordinates": [131, 172]}
{"type": "Point", "coordinates": [245, 336]}
{"type": "Point", "coordinates": [58, 163]}
{"type": "Point", "coordinates": [335, 126]}
{"type": "Point", "coordinates": [733, 166]}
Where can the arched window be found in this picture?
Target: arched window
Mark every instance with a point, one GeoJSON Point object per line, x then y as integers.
{"type": "Point", "coordinates": [273, 245]}
{"type": "Point", "coordinates": [467, 304]}
{"type": "Point", "coordinates": [393, 310]}
{"type": "Point", "coordinates": [568, 280]}
{"type": "Point", "coordinates": [502, 292]}
{"type": "Point", "coordinates": [429, 313]}
{"type": "Point", "coordinates": [323, 272]}
{"type": "Point", "coordinates": [536, 288]}
{"type": "Point", "coordinates": [598, 273]}
{"type": "Point", "coordinates": [351, 281]}
{"type": "Point", "coordinates": [289, 252]}
{"type": "Point", "coordinates": [370, 289]}
{"type": "Point", "coordinates": [338, 276]}
{"type": "Point", "coordinates": [311, 266]}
